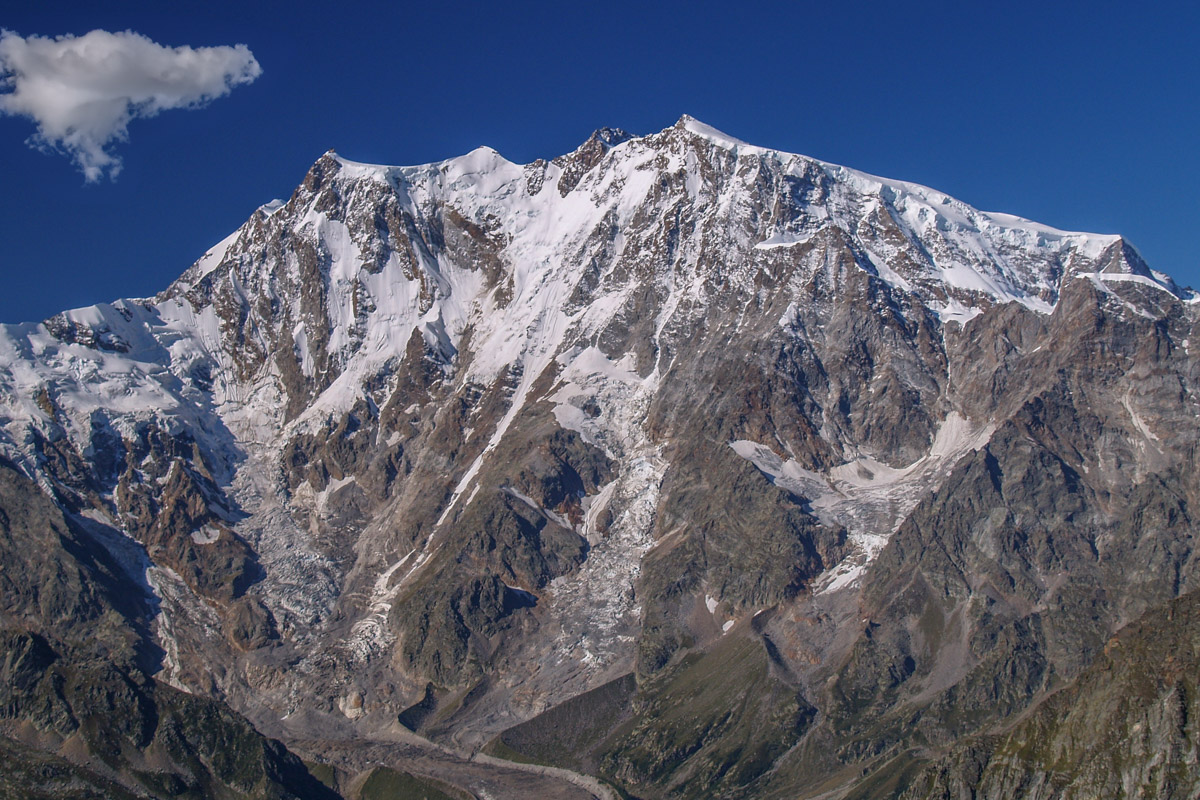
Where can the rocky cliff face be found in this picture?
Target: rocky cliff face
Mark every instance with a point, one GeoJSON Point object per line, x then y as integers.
{"type": "Point", "coordinates": [1124, 728]}
{"type": "Point", "coordinates": [450, 446]}
{"type": "Point", "coordinates": [80, 714]}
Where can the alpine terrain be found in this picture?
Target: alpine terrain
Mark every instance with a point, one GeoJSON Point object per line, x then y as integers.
{"type": "Point", "coordinates": [673, 467]}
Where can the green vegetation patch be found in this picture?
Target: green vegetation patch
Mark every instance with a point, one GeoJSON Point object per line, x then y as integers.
{"type": "Point", "coordinates": [569, 734]}
{"type": "Point", "coordinates": [389, 784]}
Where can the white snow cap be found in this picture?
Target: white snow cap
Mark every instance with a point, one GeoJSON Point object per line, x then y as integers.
{"type": "Point", "coordinates": [690, 123]}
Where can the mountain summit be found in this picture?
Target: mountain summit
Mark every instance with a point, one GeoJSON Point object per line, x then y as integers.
{"type": "Point", "coordinates": [696, 467]}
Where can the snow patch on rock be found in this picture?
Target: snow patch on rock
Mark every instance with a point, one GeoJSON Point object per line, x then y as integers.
{"type": "Point", "coordinates": [869, 499]}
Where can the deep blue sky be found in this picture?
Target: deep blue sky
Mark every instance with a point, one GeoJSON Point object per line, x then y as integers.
{"type": "Point", "coordinates": [1084, 118]}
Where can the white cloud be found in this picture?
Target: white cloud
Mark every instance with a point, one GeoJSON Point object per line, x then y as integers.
{"type": "Point", "coordinates": [82, 91]}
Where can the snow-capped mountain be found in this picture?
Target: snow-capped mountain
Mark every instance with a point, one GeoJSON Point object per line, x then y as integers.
{"type": "Point", "coordinates": [462, 442]}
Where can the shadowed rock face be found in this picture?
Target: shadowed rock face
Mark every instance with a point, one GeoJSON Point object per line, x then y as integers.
{"type": "Point", "coordinates": [79, 714]}
{"type": "Point", "coordinates": [456, 444]}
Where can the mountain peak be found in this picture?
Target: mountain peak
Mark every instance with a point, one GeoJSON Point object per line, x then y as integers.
{"type": "Point", "coordinates": [610, 137]}
{"type": "Point", "coordinates": [958, 259]}
{"type": "Point", "coordinates": [577, 163]}
{"type": "Point", "coordinates": [694, 126]}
